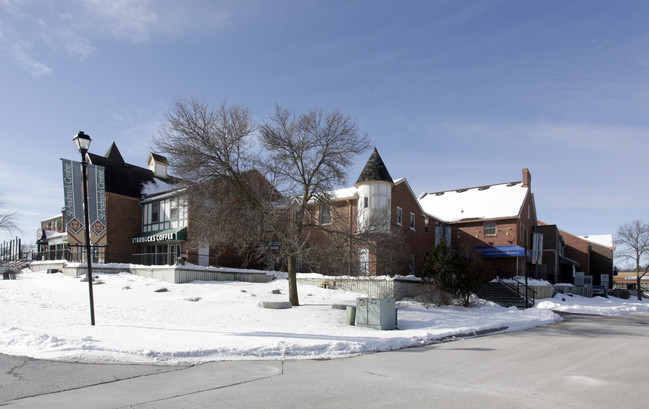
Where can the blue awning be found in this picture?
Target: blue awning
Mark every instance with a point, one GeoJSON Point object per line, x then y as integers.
{"type": "Point", "coordinates": [502, 251]}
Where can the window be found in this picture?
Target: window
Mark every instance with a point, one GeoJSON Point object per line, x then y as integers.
{"type": "Point", "coordinates": [363, 261]}
{"type": "Point", "coordinates": [155, 212]}
{"type": "Point", "coordinates": [325, 215]}
{"type": "Point", "coordinates": [399, 216]}
{"type": "Point", "coordinates": [426, 225]}
{"type": "Point", "coordinates": [365, 202]}
{"type": "Point", "coordinates": [412, 221]}
{"type": "Point", "coordinates": [295, 218]}
{"type": "Point", "coordinates": [489, 228]}
{"type": "Point", "coordinates": [174, 211]}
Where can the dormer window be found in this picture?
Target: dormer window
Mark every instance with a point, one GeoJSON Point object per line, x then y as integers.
{"type": "Point", "coordinates": [158, 165]}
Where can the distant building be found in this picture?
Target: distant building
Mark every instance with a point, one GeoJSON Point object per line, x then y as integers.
{"type": "Point", "coordinates": [629, 280]}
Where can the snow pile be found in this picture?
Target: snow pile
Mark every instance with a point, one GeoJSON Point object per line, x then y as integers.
{"type": "Point", "coordinates": [144, 320]}
{"type": "Point", "coordinates": [597, 305]}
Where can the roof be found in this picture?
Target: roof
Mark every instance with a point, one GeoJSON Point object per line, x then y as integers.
{"type": "Point", "coordinates": [486, 202]}
{"type": "Point", "coordinates": [344, 193]}
{"type": "Point", "coordinates": [605, 240]}
{"type": "Point", "coordinates": [159, 158]}
{"type": "Point", "coordinates": [123, 178]}
{"type": "Point", "coordinates": [375, 170]}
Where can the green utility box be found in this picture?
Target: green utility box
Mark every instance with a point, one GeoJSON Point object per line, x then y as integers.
{"type": "Point", "coordinates": [379, 313]}
{"type": "Point", "coordinates": [350, 317]}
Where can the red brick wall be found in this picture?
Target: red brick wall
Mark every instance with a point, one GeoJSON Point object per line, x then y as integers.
{"type": "Point", "coordinates": [124, 220]}
{"type": "Point", "coordinates": [418, 241]}
{"type": "Point", "coordinates": [576, 249]}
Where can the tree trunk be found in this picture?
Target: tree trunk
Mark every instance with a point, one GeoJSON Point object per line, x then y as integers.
{"type": "Point", "coordinates": [638, 277]}
{"type": "Point", "coordinates": [292, 281]}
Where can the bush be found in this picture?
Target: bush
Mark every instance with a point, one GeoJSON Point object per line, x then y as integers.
{"type": "Point", "coordinates": [428, 294]}
{"type": "Point", "coordinates": [460, 273]}
{"type": "Point", "coordinates": [622, 293]}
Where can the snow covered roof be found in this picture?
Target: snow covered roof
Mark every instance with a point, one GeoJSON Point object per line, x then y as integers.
{"type": "Point", "coordinates": [605, 240]}
{"type": "Point", "coordinates": [486, 202]}
{"type": "Point", "coordinates": [343, 193]}
{"type": "Point", "coordinates": [157, 186]}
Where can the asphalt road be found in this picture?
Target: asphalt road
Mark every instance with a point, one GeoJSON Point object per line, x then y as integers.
{"type": "Point", "coordinates": [583, 362]}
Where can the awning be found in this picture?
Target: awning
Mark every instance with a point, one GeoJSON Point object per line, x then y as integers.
{"type": "Point", "coordinates": [179, 233]}
{"type": "Point", "coordinates": [502, 251]}
{"type": "Point", "coordinates": [566, 260]}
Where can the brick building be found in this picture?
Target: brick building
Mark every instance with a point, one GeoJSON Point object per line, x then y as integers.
{"type": "Point", "coordinates": [125, 186]}
{"type": "Point", "coordinates": [148, 222]}
{"type": "Point", "coordinates": [594, 255]}
{"type": "Point", "coordinates": [556, 267]}
{"type": "Point", "coordinates": [395, 232]}
{"type": "Point", "coordinates": [497, 220]}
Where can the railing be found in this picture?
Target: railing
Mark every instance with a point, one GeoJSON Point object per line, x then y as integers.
{"type": "Point", "coordinates": [520, 289]}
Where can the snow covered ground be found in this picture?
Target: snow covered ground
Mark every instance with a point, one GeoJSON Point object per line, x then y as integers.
{"type": "Point", "coordinates": [47, 316]}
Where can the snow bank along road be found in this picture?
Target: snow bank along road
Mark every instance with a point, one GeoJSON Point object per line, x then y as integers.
{"type": "Point", "coordinates": [584, 362]}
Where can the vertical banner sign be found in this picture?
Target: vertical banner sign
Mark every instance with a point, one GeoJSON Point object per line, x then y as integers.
{"type": "Point", "coordinates": [73, 195]}
{"type": "Point", "coordinates": [537, 249]}
{"type": "Point", "coordinates": [97, 204]}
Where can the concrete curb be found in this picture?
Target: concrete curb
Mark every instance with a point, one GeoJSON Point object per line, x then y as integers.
{"type": "Point", "coordinates": [473, 334]}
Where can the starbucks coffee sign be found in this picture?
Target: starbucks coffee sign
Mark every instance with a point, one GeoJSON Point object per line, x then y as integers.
{"type": "Point", "coordinates": [154, 238]}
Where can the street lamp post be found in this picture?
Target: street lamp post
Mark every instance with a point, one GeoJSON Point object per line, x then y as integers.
{"type": "Point", "coordinates": [83, 143]}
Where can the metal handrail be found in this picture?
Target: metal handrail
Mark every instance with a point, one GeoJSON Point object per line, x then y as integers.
{"type": "Point", "coordinates": [519, 292]}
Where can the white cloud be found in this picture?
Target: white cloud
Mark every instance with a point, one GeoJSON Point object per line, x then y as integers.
{"type": "Point", "coordinates": [19, 55]}
{"type": "Point", "coordinates": [71, 28]}
{"type": "Point", "coordinates": [128, 20]}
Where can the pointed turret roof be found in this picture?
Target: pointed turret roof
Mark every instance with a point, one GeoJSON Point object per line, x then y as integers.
{"type": "Point", "coordinates": [375, 170]}
{"type": "Point", "coordinates": [113, 154]}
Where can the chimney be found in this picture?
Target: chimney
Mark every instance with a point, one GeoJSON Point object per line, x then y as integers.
{"type": "Point", "coordinates": [527, 178]}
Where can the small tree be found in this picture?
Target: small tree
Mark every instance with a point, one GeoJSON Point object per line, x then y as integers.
{"type": "Point", "coordinates": [8, 218]}
{"type": "Point", "coordinates": [634, 239]}
{"type": "Point", "coordinates": [459, 273]}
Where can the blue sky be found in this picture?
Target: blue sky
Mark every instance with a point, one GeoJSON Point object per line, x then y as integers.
{"type": "Point", "coordinates": [452, 93]}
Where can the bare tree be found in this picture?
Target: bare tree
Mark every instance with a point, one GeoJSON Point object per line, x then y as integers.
{"type": "Point", "coordinates": [297, 160]}
{"type": "Point", "coordinates": [634, 237]}
{"type": "Point", "coordinates": [8, 218]}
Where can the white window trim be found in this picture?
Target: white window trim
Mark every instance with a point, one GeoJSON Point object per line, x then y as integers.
{"type": "Point", "coordinates": [413, 221]}
{"type": "Point", "coordinates": [399, 216]}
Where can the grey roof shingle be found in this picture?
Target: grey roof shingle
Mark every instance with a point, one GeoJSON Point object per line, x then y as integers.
{"type": "Point", "coordinates": [375, 170]}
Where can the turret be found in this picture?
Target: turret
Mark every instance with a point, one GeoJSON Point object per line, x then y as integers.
{"type": "Point", "coordinates": [374, 196]}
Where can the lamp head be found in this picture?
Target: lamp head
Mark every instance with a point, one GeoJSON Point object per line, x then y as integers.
{"type": "Point", "coordinates": [82, 141]}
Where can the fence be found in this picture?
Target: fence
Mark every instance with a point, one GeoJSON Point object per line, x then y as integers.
{"type": "Point", "coordinates": [380, 286]}
{"type": "Point", "coordinates": [11, 251]}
